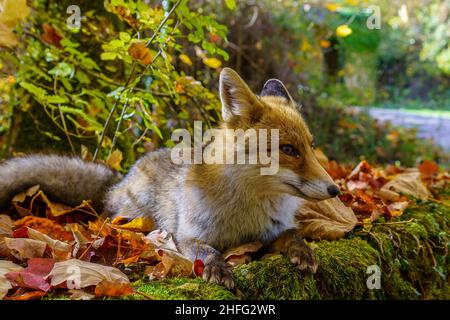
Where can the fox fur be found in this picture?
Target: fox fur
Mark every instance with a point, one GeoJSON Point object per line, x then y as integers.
{"type": "Point", "coordinates": [207, 207]}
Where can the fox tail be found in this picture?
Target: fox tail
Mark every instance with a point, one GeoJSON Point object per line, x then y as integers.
{"type": "Point", "coordinates": [65, 179]}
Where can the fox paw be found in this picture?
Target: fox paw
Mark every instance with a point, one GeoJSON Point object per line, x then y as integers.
{"type": "Point", "coordinates": [218, 272]}
{"type": "Point", "coordinates": [303, 257]}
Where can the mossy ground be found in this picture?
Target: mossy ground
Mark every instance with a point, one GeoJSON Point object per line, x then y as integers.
{"type": "Point", "coordinates": [411, 252]}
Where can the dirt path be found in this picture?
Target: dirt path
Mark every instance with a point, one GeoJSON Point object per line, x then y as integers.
{"type": "Point", "coordinates": [436, 127]}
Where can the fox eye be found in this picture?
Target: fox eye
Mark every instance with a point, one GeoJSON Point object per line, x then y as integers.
{"type": "Point", "coordinates": [290, 150]}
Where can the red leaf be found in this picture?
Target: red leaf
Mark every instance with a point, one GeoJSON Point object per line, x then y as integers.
{"type": "Point", "coordinates": [428, 169]}
{"type": "Point", "coordinates": [20, 233]}
{"type": "Point", "coordinates": [33, 276]}
{"type": "Point", "coordinates": [198, 267]}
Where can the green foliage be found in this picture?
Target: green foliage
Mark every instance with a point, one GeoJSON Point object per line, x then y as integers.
{"type": "Point", "coordinates": [81, 78]}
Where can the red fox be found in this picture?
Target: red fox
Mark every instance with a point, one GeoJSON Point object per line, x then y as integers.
{"type": "Point", "coordinates": [207, 207]}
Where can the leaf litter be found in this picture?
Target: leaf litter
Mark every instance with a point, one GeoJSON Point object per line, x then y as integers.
{"type": "Point", "coordinates": [50, 247]}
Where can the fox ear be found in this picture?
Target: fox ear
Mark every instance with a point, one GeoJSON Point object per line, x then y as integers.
{"type": "Point", "coordinates": [236, 97]}
{"type": "Point", "coordinates": [274, 87]}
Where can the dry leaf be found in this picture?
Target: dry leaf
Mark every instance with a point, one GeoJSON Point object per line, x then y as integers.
{"type": "Point", "coordinates": [408, 183]}
{"type": "Point", "coordinates": [33, 275]}
{"type": "Point", "coordinates": [328, 219]}
{"type": "Point", "coordinates": [113, 289]}
{"type": "Point", "coordinates": [24, 249]}
{"type": "Point", "coordinates": [78, 294]}
{"type": "Point", "coordinates": [140, 224]}
{"type": "Point", "coordinates": [60, 249]}
{"type": "Point", "coordinates": [241, 254]}
{"type": "Point", "coordinates": [428, 169]}
{"type": "Point", "coordinates": [77, 274]}
{"type": "Point", "coordinates": [6, 267]}
{"type": "Point", "coordinates": [29, 295]}
{"type": "Point", "coordinates": [161, 239]}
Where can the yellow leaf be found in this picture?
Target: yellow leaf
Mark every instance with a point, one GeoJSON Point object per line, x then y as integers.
{"type": "Point", "coordinates": [343, 31]}
{"type": "Point", "coordinates": [141, 224]}
{"type": "Point", "coordinates": [185, 59]}
{"type": "Point", "coordinates": [212, 62]}
{"type": "Point", "coordinates": [114, 160]}
{"type": "Point", "coordinates": [13, 11]}
{"type": "Point", "coordinates": [325, 43]}
{"type": "Point", "coordinates": [332, 6]}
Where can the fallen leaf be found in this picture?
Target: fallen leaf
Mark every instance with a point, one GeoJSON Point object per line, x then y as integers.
{"type": "Point", "coordinates": [78, 294]}
{"type": "Point", "coordinates": [33, 295]}
{"type": "Point", "coordinates": [408, 183]}
{"type": "Point", "coordinates": [113, 289]}
{"type": "Point", "coordinates": [328, 219]}
{"type": "Point", "coordinates": [140, 224]}
{"type": "Point", "coordinates": [5, 268]}
{"type": "Point", "coordinates": [49, 227]}
{"type": "Point", "coordinates": [60, 249]}
{"type": "Point", "coordinates": [77, 274]}
{"type": "Point", "coordinates": [6, 226]}
{"type": "Point", "coordinates": [33, 276]}
{"type": "Point", "coordinates": [428, 169]}
{"type": "Point", "coordinates": [24, 249]}
{"type": "Point", "coordinates": [241, 254]}
{"type": "Point", "coordinates": [161, 239]}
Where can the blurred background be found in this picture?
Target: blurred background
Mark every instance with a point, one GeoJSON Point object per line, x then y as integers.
{"type": "Point", "coordinates": [372, 76]}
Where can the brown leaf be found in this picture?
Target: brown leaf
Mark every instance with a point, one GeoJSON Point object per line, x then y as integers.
{"type": "Point", "coordinates": [241, 254]}
{"type": "Point", "coordinates": [78, 294]}
{"type": "Point", "coordinates": [328, 219]}
{"type": "Point", "coordinates": [428, 169]}
{"type": "Point", "coordinates": [59, 249]}
{"type": "Point", "coordinates": [113, 289]}
{"type": "Point", "coordinates": [6, 267]}
{"type": "Point", "coordinates": [408, 183]}
{"type": "Point", "coordinates": [24, 249]}
{"type": "Point", "coordinates": [31, 295]}
{"type": "Point", "coordinates": [77, 274]}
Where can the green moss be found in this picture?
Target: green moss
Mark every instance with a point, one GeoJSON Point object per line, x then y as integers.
{"type": "Point", "coordinates": [274, 278]}
{"type": "Point", "coordinates": [342, 269]}
{"type": "Point", "coordinates": [183, 289]}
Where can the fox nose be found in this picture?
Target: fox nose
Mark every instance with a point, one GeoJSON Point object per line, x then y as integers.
{"type": "Point", "coordinates": [333, 190]}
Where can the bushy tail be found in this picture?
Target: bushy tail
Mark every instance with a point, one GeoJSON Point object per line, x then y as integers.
{"type": "Point", "coordinates": [64, 179]}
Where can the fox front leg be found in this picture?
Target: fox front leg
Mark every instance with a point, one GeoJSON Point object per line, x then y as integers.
{"type": "Point", "coordinates": [294, 247]}
{"type": "Point", "coordinates": [215, 269]}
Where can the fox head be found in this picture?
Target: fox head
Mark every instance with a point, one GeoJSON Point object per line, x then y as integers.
{"type": "Point", "coordinates": [300, 173]}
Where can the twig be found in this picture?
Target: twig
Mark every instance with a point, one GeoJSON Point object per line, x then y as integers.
{"type": "Point", "coordinates": [90, 245]}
